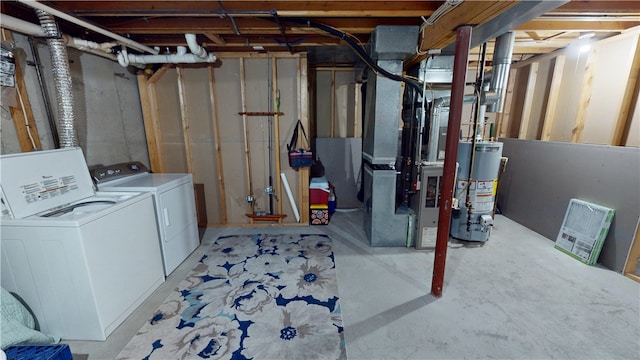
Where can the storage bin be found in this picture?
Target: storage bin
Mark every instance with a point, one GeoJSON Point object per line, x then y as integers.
{"type": "Point", "coordinates": [319, 196]}
{"type": "Point", "coordinates": [319, 216]}
{"type": "Point", "coordinates": [39, 352]}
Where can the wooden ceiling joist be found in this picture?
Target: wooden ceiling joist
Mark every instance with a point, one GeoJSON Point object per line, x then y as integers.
{"type": "Point", "coordinates": [442, 33]}
{"type": "Point", "coordinates": [245, 25]}
{"type": "Point", "coordinates": [580, 25]}
{"type": "Point", "coordinates": [332, 8]}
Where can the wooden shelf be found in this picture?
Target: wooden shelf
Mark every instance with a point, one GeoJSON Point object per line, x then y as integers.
{"type": "Point", "coordinates": [273, 217]}
{"type": "Point", "coordinates": [260, 113]}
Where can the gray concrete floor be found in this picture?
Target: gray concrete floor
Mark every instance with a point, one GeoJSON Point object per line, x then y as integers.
{"type": "Point", "coordinates": [513, 297]}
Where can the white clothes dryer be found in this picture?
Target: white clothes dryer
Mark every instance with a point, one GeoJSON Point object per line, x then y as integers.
{"type": "Point", "coordinates": [82, 260]}
{"type": "Point", "coordinates": [174, 201]}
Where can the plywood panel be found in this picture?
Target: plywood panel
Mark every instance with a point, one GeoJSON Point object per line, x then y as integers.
{"type": "Point", "coordinates": [517, 102]}
{"type": "Point", "coordinates": [569, 96]}
{"type": "Point", "coordinates": [612, 64]}
{"type": "Point", "coordinates": [539, 100]}
{"type": "Point", "coordinates": [258, 95]}
{"type": "Point", "coordinates": [169, 107]}
{"type": "Point", "coordinates": [344, 104]}
{"type": "Point", "coordinates": [207, 174]}
{"type": "Point", "coordinates": [227, 90]}
{"type": "Point", "coordinates": [201, 133]}
{"type": "Point", "coordinates": [288, 84]}
{"type": "Point", "coordinates": [634, 129]}
{"type": "Point", "coordinates": [175, 157]}
{"type": "Point", "coordinates": [170, 121]}
{"type": "Point", "coordinates": [552, 99]}
{"type": "Point", "coordinates": [323, 104]}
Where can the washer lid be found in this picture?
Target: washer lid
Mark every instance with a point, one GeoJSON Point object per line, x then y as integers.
{"type": "Point", "coordinates": [43, 180]}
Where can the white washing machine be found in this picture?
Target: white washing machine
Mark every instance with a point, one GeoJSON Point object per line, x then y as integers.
{"type": "Point", "coordinates": [82, 260]}
{"type": "Point", "coordinates": [174, 202]}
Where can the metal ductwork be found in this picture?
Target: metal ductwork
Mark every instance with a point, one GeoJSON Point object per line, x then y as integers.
{"type": "Point", "coordinates": [62, 80]}
{"type": "Point", "coordinates": [385, 223]}
{"type": "Point", "coordinates": [502, 55]}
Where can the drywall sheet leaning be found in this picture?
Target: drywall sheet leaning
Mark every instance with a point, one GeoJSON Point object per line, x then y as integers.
{"type": "Point", "coordinates": [541, 177]}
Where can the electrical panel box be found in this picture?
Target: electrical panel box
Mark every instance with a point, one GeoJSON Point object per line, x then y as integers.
{"type": "Point", "coordinates": [426, 205]}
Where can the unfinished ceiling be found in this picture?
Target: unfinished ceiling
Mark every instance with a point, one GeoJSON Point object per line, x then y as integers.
{"type": "Point", "coordinates": [269, 26]}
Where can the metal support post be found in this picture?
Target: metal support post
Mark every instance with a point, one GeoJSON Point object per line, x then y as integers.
{"type": "Point", "coordinates": [463, 42]}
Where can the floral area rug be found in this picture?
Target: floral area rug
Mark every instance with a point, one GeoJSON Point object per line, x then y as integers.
{"type": "Point", "coordinates": [250, 297]}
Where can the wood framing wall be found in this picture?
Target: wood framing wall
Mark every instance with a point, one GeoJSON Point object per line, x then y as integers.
{"type": "Point", "coordinates": [338, 108]}
{"type": "Point", "coordinates": [213, 121]}
{"type": "Point", "coordinates": [577, 96]}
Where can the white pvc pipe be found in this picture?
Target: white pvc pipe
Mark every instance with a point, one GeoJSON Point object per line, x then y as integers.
{"type": "Point", "coordinates": [125, 59]}
{"type": "Point", "coordinates": [21, 26]}
{"type": "Point", "coordinates": [130, 43]}
{"type": "Point", "coordinates": [194, 47]}
{"type": "Point", "coordinates": [290, 196]}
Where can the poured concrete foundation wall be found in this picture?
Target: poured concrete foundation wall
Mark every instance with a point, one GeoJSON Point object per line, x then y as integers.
{"type": "Point", "coordinates": [108, 116]}
{"type": "Point", "coordinates": [541, 177]}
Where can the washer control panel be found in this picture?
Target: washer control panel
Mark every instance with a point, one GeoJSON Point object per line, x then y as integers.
{"type": "Point", "coordinates": [115, 171]}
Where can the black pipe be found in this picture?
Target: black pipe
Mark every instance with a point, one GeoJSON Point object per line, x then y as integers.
{"type": "Point", "coordinates": [45, 94]}
{"type": "Point", "coordinates": [479, 85]}
{"type": "Point", "coordinates": [358, 49]}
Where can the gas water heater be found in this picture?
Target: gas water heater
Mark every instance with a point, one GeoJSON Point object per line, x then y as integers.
{"type": "Point", "coordinates": [475, 190]}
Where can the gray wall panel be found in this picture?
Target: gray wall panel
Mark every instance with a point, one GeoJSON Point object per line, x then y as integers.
{"type": "Point", "coordinates": [342, 158]}
{"type": "Point", "coordinates": [541, 177]}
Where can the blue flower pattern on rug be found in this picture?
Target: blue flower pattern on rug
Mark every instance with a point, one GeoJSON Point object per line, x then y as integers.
{"type": "Point", "coordinates": [250, 297]}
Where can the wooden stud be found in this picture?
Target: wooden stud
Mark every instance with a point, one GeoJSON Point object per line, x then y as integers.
{"type": "Point", "coordinates": [528, 100]}
{"type": "Point", "coordinates": [629, 101]}
{"type": "Point", "coordinates": [216, 138]}
{"type": "Point", "coordinates": [159, 73]}
{"type": "Point", "coordinates": [585, 98]}
{"type": "Point", "coordinates": [303, 103]}
{"type": "Point", "coordinates": [276, 133]}
{"type": "Point", "coordinates": [633, 256]}
{"type": "Point", "coordinates": [552, 99]}
{"type": "Point", "coordinates": [156, 130]}
{"type": "Point", "coordinates": [357, 113]}
{"type": "Point", "coordinates": [260, 113]}
{"type": "Point", "coordinates": [184, 112]}
{"type": "Point", "coordinates": [503, 118]}
{"type": "Point", "coordinates": [333, 104]}
{"type": "Point", "coordinates": [247, 156]}
{"type": "Point", "coordinates": [147, 117]}
{"type": "Point", "coordinates": [22, 115]}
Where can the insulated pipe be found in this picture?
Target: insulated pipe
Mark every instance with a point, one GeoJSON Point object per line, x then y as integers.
{"type": "Point", "coordinates": [463, 42]}
{"type": "Point", "coordinates": [103, 50]}
{"type": "Point", "coordinates": [121, 39]}
{"type": "Point", "coordinates": [27, 28]}
{"type": "Point", "coordinates": [502, 55]}
{"type": "Point", "coordinates": [62, 80]}
{"type": "Point", "coordinates": [21, 26]}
